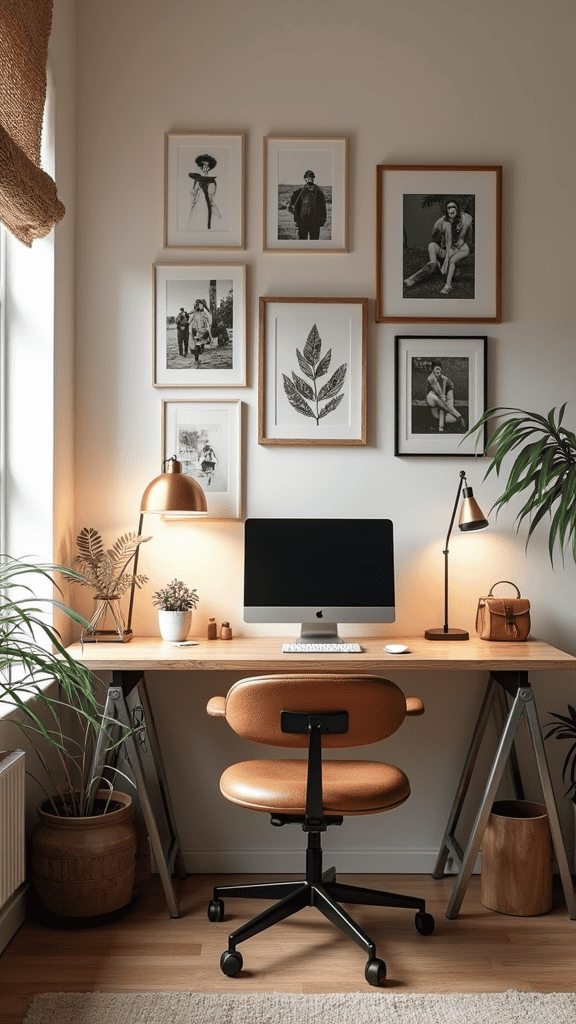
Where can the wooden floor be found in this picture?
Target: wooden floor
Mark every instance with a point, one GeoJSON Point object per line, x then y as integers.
{"type": "Point", "coordinates": [145, 949]}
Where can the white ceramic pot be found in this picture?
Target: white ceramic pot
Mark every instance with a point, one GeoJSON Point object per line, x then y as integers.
{"type": "Point", "coordinates": [174, 625]}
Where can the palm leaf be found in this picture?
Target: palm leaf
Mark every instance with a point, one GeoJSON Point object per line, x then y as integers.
{"type": "Point", "coordinates": [545, 466]}
{"type": "Point", "coordinates": [90, 545]}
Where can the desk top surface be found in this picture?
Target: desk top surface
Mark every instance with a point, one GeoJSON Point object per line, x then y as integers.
{"type": "Point", "coordinates": [264, 654]}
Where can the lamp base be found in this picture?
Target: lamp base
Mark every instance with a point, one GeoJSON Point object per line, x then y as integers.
{"type": "Point", "coordinates": [451, 634]}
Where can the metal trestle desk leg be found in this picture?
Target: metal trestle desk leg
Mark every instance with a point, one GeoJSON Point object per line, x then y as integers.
{"type": "Point", "coordinates": [127, 704]}
{"type": "Point", "coordinates": [516, 684]}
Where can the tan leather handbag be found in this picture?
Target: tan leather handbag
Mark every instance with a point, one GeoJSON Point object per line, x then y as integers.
{"type": "Point", "coordinates": [503, 618]}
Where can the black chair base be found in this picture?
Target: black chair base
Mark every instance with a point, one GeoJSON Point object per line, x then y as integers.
{"type": "Point", "coordinates": [319, 889]}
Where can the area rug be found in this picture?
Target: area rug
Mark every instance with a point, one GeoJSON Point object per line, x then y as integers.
{"type": "Point", "coordinates": [510, 1007]}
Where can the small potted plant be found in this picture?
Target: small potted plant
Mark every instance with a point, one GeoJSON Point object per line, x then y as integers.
{"type": "Point", "coordinates": [175, 603]}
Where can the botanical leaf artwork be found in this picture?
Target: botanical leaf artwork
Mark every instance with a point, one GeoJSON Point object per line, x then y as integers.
{"type": "Point", "coordinates": [307, 398]}
{"type": "Point", "coordinates": [105, 571]}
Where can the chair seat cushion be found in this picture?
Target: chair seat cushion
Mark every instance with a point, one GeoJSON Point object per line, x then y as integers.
{"type": "Point", "coordinates": [349, 787]}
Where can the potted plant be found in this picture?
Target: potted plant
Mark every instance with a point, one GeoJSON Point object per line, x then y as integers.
{"type": "Point", "coordinates": [175, 603]}
{"type": "Point", "coordinates": [106, 572]}
{"type": "Point", "coordinates": [83, 850]}
{"type": "Point", "coordinates": [543, 471]}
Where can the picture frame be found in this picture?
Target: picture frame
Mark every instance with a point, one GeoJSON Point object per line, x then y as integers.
{"type": "Point", "coordinates": [209, 350]}
{"type": "Point", "coordinates": [300, 341]}
{"type": "Point", "coordinates": [305, 194]}
{"type": "Point", "coordinates": [205, 437]}
{"type": "Point", "coordinates": [440, 393]}
{"type": "Point", "coordinates": [419, 210]}
{"type": "Point", "coordinates": [204, 199]}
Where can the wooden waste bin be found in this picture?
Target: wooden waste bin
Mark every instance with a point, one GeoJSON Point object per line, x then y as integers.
{"type": "Point", "coordinates": [517, 859]}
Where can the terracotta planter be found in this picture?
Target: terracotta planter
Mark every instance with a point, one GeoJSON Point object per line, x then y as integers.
{"type": "Point", "coordinates": [82, 867]}
{"type": "Point", "coordinates": [174, 626]}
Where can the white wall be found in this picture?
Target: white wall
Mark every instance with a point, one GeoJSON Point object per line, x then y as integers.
{"type": "Point", "coordinates": [409, 81]}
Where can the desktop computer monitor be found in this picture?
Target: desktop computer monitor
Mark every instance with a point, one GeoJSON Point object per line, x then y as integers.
{"type": "Point", "coordinates": [319, 572]}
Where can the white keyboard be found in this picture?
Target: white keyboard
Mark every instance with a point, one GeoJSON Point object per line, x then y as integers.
{"type": "Point", "coordinates": [321, 648]}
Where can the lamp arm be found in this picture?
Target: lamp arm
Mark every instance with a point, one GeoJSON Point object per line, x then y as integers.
{"type": "Point", "coordinates": [135, 569]}
{"type": "Point", "coordinates": [445, 551]}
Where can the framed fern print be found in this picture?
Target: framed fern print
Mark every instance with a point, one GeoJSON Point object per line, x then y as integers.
{"type": "Point", "coordinates": [312, 371]}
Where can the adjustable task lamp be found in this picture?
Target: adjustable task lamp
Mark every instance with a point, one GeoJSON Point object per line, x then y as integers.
{"type": "Point", "coordinates": [173, 493]}
{"type": "Point", "coordinates": [471, 518]}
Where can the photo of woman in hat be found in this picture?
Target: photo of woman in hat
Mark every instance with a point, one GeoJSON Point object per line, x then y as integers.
{"type": "Point", "coordinates": [204, 184]}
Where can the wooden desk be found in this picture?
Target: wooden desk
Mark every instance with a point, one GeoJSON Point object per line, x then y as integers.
{"type": "Point", "coordinates": [508, 666]}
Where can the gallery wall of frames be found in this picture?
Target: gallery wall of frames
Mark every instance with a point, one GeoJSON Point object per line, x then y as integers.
{"type": "Point", "coordinates": [438, 260]}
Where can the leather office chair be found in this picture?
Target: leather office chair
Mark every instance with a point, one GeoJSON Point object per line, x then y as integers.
{"type": "Point", "coordinates": [314, 711]}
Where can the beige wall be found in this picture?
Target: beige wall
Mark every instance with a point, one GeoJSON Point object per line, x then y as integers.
{"type": "Point", "coordinates": [414, 81]}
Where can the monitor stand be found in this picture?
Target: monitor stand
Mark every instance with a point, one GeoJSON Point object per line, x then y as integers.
{"type": "Point", "coordinates": [314, 633]}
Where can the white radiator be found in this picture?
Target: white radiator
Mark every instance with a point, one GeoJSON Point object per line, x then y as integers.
{"type": "Point", "coordinates": [12, 856]}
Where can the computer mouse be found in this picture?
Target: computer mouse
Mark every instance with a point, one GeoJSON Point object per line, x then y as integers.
{"type": "Point", "coordinates": [396, 648]}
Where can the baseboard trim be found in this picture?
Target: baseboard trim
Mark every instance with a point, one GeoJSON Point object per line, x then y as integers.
{"type": "Point", "coordinates": [12, 915]}
{"type": "Point", "coordinates": [394, 862]}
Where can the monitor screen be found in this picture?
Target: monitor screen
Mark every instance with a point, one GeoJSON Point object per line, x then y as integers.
{"type": "Point", "coordinates": [318, 570]}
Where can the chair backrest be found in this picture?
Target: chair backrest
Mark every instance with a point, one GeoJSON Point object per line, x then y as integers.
{"type": "Point", "coordinates": [376, 707]}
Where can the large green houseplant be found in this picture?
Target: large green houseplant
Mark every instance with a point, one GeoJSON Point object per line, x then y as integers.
{"type": "Point", "coordinates": [543, 471]}
{"type": "Point", "coordinates": [544, 468]}
{"type": "Point", "coordinates": [55, 705]}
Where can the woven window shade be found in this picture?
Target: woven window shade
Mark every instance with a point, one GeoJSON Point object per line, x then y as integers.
{"type": "Point", "coordinates": [29, 205]}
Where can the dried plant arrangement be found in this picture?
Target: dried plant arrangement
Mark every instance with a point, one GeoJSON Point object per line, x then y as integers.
{"type": "Point", "coordinates": [105, 571]}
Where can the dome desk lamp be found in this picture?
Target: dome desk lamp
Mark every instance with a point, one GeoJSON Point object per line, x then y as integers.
{"type": "Point", "coordinates": [471, 518]}
{"type": "Point", "coordinates": [173, 493]}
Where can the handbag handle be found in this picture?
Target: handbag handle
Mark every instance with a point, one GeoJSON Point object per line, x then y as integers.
{"type": "Point", "coordinates": [504, 581]}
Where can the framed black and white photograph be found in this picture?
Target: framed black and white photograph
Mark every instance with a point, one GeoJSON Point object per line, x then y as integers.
{"type": "Point", "coordinates": [203, 191]}
{"type": "Point", "coordinates": [439, 244]}
{"type": "Point", "coordinates": [199, 326]}
{"type": "Point", "coordinates": [440, 394]}
{"type": "Point", "coordinates": [205, 438]}
{"type": "Point", "coordinates": [312, 371]}
{"type": "Point", "coordinates": [305, 194]}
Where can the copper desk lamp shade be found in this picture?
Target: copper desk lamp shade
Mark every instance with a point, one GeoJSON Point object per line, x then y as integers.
{"type": "Point", "coordinates": [471, 519]}
{"type": "Point", "coordinates": [173, 493]}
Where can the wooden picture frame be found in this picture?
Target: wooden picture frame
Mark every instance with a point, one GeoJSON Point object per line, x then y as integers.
{"type": "Point", "coordinates": [300, 341]}
{"type": "Point", "coordinates": [203, 198]}
{"type": "Point", "coordinates": [421, 209]}
{"type": "Point", "coordinates": [441, 392]}
{"type": "Point", "coordinates": [305, 194]}
{"type": "Point", "coordinates": [209, 350]}
{"type": "Point", "coordinates": [205, 437]}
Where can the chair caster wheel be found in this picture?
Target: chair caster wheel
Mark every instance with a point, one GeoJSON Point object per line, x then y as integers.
{"type": "Point", "coordinates": [375, 971]}
{"type": "Point", "coordinates": [424, 923]}
{"type": "Point", "coordinates": [231, 963]}
{"type": "Point", "coordinates": [216, 910]}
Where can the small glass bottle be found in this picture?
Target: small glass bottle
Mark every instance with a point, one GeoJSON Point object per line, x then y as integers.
{"type": "Point", "coordinates": [225, 632]}
{"type": "Point", "coordinates": [212, 629]}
